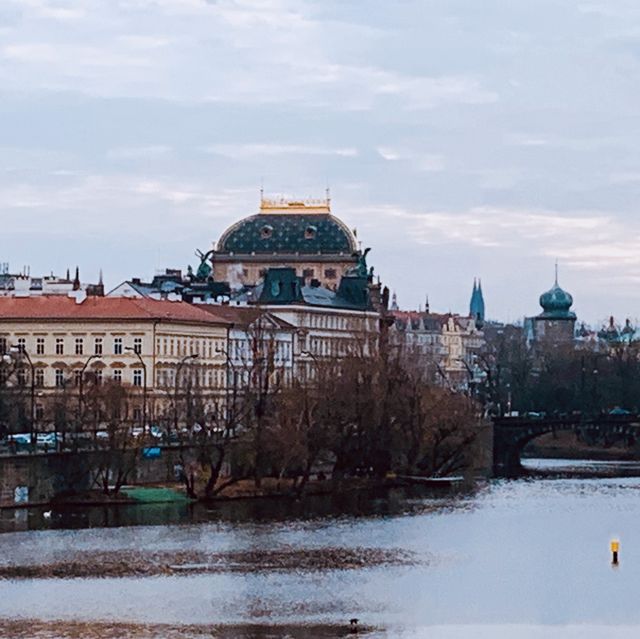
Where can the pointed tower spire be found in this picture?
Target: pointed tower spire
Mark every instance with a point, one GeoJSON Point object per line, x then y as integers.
{"type": "Point", "coordinates": [426, 304]}
{"type": "Point", "coordinates": [100, 282]}
{"type": "Point", "coordinates": [476, 306]}
{"type": "Point", "coordinates": [556, 282]}
{"type": "Point", "coordinates": [68, 279]}
{"type": "Point", "coordinates": [76, 280]}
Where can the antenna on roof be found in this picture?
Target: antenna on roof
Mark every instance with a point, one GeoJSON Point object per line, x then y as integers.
{"type": "Point", "coordinates": [556, 271]}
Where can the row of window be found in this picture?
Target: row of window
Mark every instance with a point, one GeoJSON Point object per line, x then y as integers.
{"type": "Point", "coordinates": [337, 322]}
{"type": "Point", "coordinates": [78, 345]}
{"type": "Point", "coordinates": [181, 347]}
{"type": "Point", "coordinates": [213, 378]}
{"type": "Point", "coordinates": [61, 377]}
{"type": "Point", "coordinates": [307, 273]}
{"type": "Point", "coordinates": [241, 350]}
{"type": "Point", "coordinates": [330, 347]}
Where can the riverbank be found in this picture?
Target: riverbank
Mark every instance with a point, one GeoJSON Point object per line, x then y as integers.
{"type": "Point", "coordinates": [246, 489]}
{"type": "Point", "coordinates": [565, 445]}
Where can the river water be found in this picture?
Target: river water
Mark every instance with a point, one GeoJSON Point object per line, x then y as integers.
{"type": "Point", "coordinates": [518, 558]}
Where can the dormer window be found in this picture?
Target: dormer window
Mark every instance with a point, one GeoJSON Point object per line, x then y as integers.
{"type": "Point", "coordinates": [266, 232]}
{"type": "Point", "coordinates": [310, 232]}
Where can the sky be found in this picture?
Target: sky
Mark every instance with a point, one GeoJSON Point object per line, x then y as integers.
{"type": "Point", "coordinates": [462, 139]}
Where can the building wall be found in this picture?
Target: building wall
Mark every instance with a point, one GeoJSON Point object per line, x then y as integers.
{"type": "Point", "coordinates": [60, 348]}
{"type": "Point", "coordinates": [248, 270]}
{"type": "Point", "coordinates": [328, 333]}
{"type": "Point", "coordinates": [553, 330]}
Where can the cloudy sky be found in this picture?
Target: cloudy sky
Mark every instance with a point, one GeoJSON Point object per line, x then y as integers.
{"type": "Point", "coordinates": [460, 138]}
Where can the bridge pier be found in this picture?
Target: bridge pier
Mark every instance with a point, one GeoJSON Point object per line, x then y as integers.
{"type": "Point", "coordinates": [506, 458]}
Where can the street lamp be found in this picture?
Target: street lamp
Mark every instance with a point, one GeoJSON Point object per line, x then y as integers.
{"type": "Point", "coordinates": [81, 392]}
{"type": "Point", "coordinates": [181, 363]}
{"type": "Point", "coordinates": [21, 350]}
{"type": "Point", "coordinates": [314, 358]}
{"type": "Point", "coordinates": [136, 352]}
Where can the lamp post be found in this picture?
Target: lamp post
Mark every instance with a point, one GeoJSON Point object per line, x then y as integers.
{"type": "Point", "coordinates": [81, 387]}
{"type": "Point", "coordinates": [136, 352]}
{"type": "Point", "coordinates": [181, 363]}
{"type": "Point", "coordinates": [81, 395]}
{"type": "Point", "coordinates": [314, 358]}
{"type": "Point", "coordinates": [21, 350]}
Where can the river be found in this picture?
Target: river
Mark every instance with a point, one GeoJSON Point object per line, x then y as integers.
{"type": "Point", "coordinates": [511, 558]}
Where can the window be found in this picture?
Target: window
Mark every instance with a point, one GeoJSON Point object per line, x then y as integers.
{"type": "Point", "coordinates": [97, 346]}
{"type": "Point", "coordinates": [59, 377]}
{"type": "Point", "coordinates": [40, 346]}
{"type": "Point", "coordinates": [137, 345]}
{"type": "Point", "coordinates": [266, 232]}
{"type": "Point", "coordinates": [59, 346]}
{"type": "Point", "coordinates": [330, 273]}
{"type": "Point", "coordinates": [137, 377]}
{"type": "Point", "coordinates": [98, 376]}
{"type": "Point", "coordinates": [137, 414]}
{"type": "Point", "coordinates": [117, 345]}
{"type": "Point", "coordinates": [22, 344]}
{"type": "Point", "coordinates": [3, 345]}
{"type": "Point", "coordinates": [39, 412]}
{"type": "Point", "coordinates": [77, 377]}
{"type": "Point", "coordinates": [310, 232]}
{"type": "Point", "coordinates": [308, 272]}
{"type": "Point", "coordinates": [39, 378]}
{"type": "Point", "coordinates": [79, 346]}
{"type": "Point", "coordinates": [22, 377]}
{"type": "Point", "coordinates": [117, 375]}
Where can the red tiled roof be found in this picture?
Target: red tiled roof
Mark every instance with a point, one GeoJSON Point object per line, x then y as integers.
{"type": "Point", "coordinates": [61, 307]}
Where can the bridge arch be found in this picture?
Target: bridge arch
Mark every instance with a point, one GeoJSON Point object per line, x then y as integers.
{"type": "Point", "coordinates": [512, 434]}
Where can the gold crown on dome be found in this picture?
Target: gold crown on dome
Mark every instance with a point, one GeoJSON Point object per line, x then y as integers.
{"type": "Point", "coordinates": [289, 205]}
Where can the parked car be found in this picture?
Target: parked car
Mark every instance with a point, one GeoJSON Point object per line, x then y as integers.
{"type": "Point", "coordinates": [21, 439]}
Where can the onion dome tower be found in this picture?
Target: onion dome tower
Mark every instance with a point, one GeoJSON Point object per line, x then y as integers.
{"type": "Point", "coordinates": [557, 321]}
{"type": "Point", "coordinates": [556, 303]}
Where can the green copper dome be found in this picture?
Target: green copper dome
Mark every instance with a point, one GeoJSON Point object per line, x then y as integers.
{"type": "Point", "coordinates": [311, 234]}
{"type": "Point", "coordinates": [556, 303]}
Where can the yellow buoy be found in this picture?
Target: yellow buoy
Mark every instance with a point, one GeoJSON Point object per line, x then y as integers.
{"type": "Point", "coordinates": [615, 547]}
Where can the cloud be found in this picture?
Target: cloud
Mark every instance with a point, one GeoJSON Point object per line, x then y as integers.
{"type": "Point", "coordinates": [584, 239]}
{"type": "Point", "coordinates": [248, 151]}
{"type": "Point", "coordinates": [237, 52]}
{"type": "Point", "coordinates": [139, 152]}
{"type": "Point", "coordinates": [418, 160]}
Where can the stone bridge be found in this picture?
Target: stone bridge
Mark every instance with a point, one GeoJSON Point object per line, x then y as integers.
{"type": "Point", "coordinates": [512, 434]}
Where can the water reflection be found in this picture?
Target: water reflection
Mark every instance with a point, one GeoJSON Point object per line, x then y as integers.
{"type": "Point", "coordinates": [374, 503]}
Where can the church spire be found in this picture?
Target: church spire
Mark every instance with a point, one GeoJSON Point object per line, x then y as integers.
{"type": "Point", "coordinates": [476, 306]}
{"type": "Point", "coordinates": [76, 280]}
